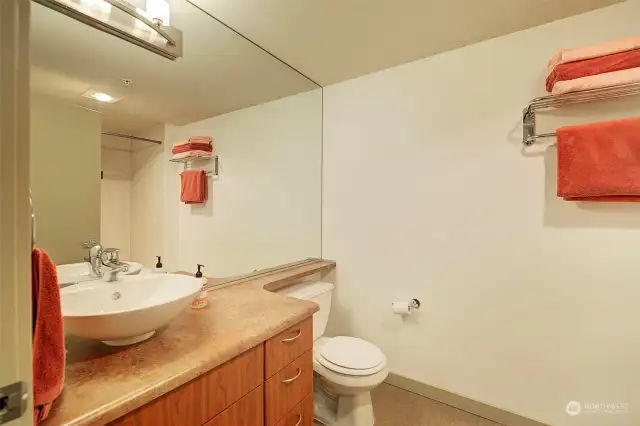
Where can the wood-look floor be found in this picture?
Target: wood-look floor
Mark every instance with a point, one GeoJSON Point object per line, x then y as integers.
{"type": "Point", "coordinates": [393, 406]}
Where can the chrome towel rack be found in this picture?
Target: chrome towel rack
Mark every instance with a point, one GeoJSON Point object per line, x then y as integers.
{"type": "Point", "coordinates": [529, 136]}
{"type": "Point", "coordinates": [186, 161]}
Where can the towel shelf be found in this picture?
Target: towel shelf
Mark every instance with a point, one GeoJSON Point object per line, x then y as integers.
{"type": "Point", "coordinates": [187, 163]}
{"type": "Point", "coordinates": [529, 136]}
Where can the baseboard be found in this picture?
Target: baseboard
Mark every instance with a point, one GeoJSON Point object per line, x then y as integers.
{"type": "Point", "coordinates": [489, 412]}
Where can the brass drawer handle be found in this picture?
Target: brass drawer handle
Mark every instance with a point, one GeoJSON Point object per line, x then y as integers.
{"type": "Point", "coordinates": [293, 379]}
{"type": "Point", "coordinates": [292, 339]}
{"type": "Point", "coordinates": [299, 420]}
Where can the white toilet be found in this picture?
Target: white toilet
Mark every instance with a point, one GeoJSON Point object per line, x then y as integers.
{"type": "Point", "coordinates": [346, 368]}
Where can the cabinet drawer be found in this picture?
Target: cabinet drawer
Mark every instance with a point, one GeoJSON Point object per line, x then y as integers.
{"type": "Point", "coordinates": [203, 398]}
{"type": "Point", "coordinates": [288, 387]}
{"type": "Point", "coordinates": [301, 415]}
{"type": "Point", "coordinates": [282, 349]}
{"type": "Point", "coordinates": [246, 412]}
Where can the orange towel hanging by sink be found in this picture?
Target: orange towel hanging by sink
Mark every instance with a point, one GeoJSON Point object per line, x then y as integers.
{"type": "Point", "coordinates": [48, 336]}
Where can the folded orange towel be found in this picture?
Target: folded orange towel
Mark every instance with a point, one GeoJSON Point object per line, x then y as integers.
{"type": "Point", "coordinates": [600, 161]}
{"type": "Point", "coordinates": [192, 147]}
{"type": "Point", "coordinates": [588, 67]}
{"type": "Point", "coordinates": [200, 139]}
{"type": "Point", "coordinates": [587, 52]}
{"type": "Point", "coordinates": [632, 75]}
{"type": "Point", "coordinates": [48, 336]}
{"type": "Point", "coordinates": [193, 186]}
{"type": "Point", "coordinates": [196, 139]}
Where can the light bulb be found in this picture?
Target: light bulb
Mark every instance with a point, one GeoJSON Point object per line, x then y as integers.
{"type": "Point", "coordinates": [100, 7]}
{"type": "Point", "coordinates": [158, 10]}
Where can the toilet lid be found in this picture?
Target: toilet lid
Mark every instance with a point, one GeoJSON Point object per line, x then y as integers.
{"type": "Point", "coordinates": [350, 355]}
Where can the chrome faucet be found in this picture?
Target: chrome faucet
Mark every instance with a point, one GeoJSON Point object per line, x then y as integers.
{"type": "Point", "coordinates": [99, 257]}
{"type": "Point", "coordinates": [95, 258]}
{"type": "Point", "coordinates": [110, 275]}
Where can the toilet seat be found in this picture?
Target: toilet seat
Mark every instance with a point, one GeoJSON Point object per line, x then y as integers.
{"type": "Point", "coordinates": [350, 356]}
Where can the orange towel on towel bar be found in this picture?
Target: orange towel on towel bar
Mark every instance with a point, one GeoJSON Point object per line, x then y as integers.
{"type": "Point", "coordinates": [600, 161]}
{"type": "Point", "coordinates": [193, 186]}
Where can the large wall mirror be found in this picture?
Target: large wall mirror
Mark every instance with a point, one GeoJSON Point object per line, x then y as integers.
{"type": "Point", "coordinates": [263, 206]}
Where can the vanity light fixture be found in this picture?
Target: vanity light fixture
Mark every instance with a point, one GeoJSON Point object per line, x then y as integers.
{"type": "Point", "coordinates": [146, 26]}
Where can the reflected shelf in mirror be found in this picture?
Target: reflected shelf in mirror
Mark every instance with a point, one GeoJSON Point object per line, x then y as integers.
{"type": "Point", "coordinates": [188, 160]}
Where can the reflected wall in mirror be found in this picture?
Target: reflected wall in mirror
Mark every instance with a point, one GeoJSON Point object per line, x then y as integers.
{"type": "Point", "coordinates": [262, 209]}
{"type": "Point", "coordinates": [65, 176]}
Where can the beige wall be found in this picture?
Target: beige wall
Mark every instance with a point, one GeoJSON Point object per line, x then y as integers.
{"type": "Point", "coordinates": [115, 225]}
{"type": "Point", "coordinates": [65, 177]}
{"type": "Point", "coordinates": [528, 302]}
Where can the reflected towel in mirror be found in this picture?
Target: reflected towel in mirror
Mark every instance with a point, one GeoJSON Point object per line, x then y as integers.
{"type": "Point", "coordinates": [193, 186]}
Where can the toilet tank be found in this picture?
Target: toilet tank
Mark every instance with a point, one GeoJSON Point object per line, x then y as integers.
{"type": "Point", "coordinates": [318, 292]}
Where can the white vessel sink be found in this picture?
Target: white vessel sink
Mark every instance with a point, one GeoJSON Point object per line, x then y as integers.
{"type": "Point", "coordinates": [72, 273]}
{"type": "Point", "coordinates": [126, 311]}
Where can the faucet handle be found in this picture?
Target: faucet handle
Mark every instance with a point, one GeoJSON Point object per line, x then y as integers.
{"type": "Point", "coordinates": [90, 243]}
{"type": "Point", "coordinates": [110, 255]}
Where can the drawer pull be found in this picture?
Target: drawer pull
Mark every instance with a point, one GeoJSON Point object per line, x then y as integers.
{"type": "Point", "coordinates": [299, 420]}
{"type": "Point", "coordinates": [292, 339]}
{"type": "Point", "coordinates": [293, 379]}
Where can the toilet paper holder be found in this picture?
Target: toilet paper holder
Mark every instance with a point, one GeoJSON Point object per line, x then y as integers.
{"type": "Point", "coordinates": [405, 307]}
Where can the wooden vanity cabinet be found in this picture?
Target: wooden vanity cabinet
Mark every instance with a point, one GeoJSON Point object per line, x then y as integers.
{"type": "Point", "coordinates": [249, 411]}
{"type": "Point", "coordinates": [301, 415]}
{"type": "Point", "coordinates": [289, 375]}
{"type": "Point", "coordinates": [203, 398]}
{"type": "Point", "coordinates": [284, 348]}
{"type": "Point", "coordinates": [269, 385]}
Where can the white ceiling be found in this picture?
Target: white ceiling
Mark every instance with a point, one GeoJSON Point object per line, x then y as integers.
{"type": "Point", "coordinates": [327, 40]}
{"type": "Point", "coordinates": [220, 71]}
{"type": "Point", "coordinates": [335, 40]}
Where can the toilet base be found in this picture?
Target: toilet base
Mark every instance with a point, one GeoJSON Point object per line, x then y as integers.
{"type": "Point", "coordinates": [355, 410]}
{"type": "Point", "coordinates": [348, 410]}
{"type": "Point", "coordinates": [342, 399]}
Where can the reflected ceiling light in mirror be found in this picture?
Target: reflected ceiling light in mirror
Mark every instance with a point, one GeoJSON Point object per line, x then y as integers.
{"type": "Point", "coordinates": [100, 96]}
{"type": "Point", "coordinates": [127, 21]}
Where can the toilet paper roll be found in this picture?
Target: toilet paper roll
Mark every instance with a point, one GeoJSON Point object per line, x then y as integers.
{"type": "Point", "coordinates": [402, 308]}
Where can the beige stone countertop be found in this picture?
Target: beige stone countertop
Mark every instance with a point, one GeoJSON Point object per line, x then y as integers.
{"type": "Point", "coordinates": [104, 383]}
